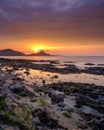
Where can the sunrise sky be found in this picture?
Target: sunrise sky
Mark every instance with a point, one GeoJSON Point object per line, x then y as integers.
{"type": "Point", "coordinates": [67, 27]}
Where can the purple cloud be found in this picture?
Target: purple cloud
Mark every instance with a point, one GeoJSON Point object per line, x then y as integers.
{"type": "Point", "coordinates": [19, 10]}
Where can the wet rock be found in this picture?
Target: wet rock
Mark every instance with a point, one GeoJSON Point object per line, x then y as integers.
{"type": "Point", "coordinates": [21, 90]}
{"type": "Point", "coordinates": [27, 72]}
{"type": "Point", "coordinates": [46, 120]}
{"type": "Point", "coordinates": [44, 89]}
{"type": "Point", "coordinates": [96, 124]}
{"type": "Point", "coordinates": [16, 87]}
{"type": "Point", "coordinates": [3, 95]}
{"type": "Point", "coordinates": [88, 110]}
{"type": "Point", "coordinates": [1, 127]}
{"type": "Point", "coordinates": [43, 82]}
{"type": "Point", "coordinates": [101, 98]}
{"type": "Point", "coordinates": [90, 101]}
{"type": "Point", "coordinates": [36, 121]}
{"type": "Point", "coordinates": [61, 104]}
{"type": "Point", "coordinates": [61, 87]}
{"type": "Point", "coordinates": [56, 98]}
{"type": "Point", "coordinates": [82, 126]}
{"type": "Point", "coordinates": [7, 83]}
{"type": "Point", "coordinates": [89, 64]}
{"type": "Point", "coordinates": [100, 64]}
{"type": "Point", "coordinates": [94, 70]}
{"type": "Point", "coordinates": [55, 76]}
{"type": "Point", "coordinates": [94, 121]}
{"type": "Point", "coordinates": [102, 123]}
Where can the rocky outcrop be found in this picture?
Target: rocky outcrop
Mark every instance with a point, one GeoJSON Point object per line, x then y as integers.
{"type": "Point", "coordinates": [40, 53]}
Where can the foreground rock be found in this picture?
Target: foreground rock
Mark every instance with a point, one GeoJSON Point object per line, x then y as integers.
{"type": "Point", "coordinates": [24, 107]}
{"type": "Point", "coordinates": [21, 90]}
{"type": "Point", "coordinates": [43, 119]}
{"type": "Point", "coordinates": [97, 124]}
{"type": "Point", "coordinates": [89, 101]}
{"type": "Point", "coordinates": [56, 98]}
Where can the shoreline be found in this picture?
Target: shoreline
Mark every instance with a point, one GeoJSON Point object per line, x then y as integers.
{"type": "Point", "coordinates": [50, 67]}
{"type": "Point", "coordinates": [61, 105]}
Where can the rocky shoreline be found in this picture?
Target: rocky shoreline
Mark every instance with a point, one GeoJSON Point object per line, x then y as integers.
{"type": "Point", "coordinates": [50, 67]}
{"type": "Point", "coordinates": [55, 106]}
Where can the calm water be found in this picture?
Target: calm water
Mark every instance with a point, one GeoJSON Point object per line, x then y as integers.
{"type": "Point", "coordinates": [76, 59]}
{"type": "Point", "coordinates": [36, 76]}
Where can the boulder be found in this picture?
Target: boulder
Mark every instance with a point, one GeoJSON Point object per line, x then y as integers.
{"type": "Point", "coordinates": [61, 104]}
{"type": "Point", "coordinates": [21, 90]}
{"type": "Point", "coordinates": [96, 124]}
{"type": "Point", "coordinates": [16, 87]}
{"type": "Point", "coordinates": [56, 97]}
{"type": "Point", "coordinates": [36, 121]}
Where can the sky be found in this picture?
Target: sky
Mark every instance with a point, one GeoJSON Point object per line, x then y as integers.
{"type": "Point", "coordinates": [67, 27]}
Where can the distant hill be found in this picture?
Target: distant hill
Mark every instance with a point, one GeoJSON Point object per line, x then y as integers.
{"type": "Point", "coordinates": [40, 53]}
{"type": "Point", "coordinates": [10, 52]}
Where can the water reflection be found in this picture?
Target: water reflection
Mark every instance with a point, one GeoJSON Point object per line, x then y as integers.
{"type": "Point", "coordinates": [36, 76]}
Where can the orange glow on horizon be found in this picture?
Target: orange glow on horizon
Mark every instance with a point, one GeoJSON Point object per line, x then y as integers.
{"type": "Point", "coordinates": [37, 47]}
{"type": "Point", "coordinates": [57, 47]}
{"type": "Point", "coordinates": [36, 50]}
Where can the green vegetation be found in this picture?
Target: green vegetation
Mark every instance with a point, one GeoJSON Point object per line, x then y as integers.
{"type": "Point", "coordinates": [33, 99]}
{"type": "Point", "coordinates": [20, 114]}
{"type": "Point", "coordinates": [27, 106]}
{"type": "Point", "coordinates": [6, 114]}
{"type": "Point", "coordinates": [68, 113]}
{"type": "Point", "coordinates": [24, 117]}
{"type": "Point", "coordinates": [42, 102]}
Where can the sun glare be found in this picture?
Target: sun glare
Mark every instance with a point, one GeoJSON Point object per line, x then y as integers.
{"type": "Point", "coordinates": [36, 50]}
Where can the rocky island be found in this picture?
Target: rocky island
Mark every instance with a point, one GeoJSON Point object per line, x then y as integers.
{"type": "Point", "coordinates": [40, 53]}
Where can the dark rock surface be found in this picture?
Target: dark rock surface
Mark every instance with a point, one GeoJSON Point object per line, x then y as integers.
{"type": "Point", "coordinates": [94, 70]}
{"type": "Point", "coordinates": [89, 64]}
{"type": "Point", "coordinates": [85, 94]}
{"type": "Point", "coordinates": [21, 90]}
{"type": "Point", "coordinates": [45, 120]}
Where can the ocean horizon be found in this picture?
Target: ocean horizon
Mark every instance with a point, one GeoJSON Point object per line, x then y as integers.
{"type": "Point", "coordinates": [60, 58]}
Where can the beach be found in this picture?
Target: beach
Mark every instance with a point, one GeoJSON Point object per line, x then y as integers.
{"type": "Point", "coordinates": [52, 94]}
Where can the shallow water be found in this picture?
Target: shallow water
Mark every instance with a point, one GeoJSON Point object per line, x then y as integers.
{"type": "Point", "coordinates": [36, 76]}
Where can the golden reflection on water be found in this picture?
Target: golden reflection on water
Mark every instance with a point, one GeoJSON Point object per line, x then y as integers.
{"type": "Point", "coordinates": [36, 76]}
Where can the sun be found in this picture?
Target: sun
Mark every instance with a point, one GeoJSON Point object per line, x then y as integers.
{"type": "Point", "coordinates": [36, 50]}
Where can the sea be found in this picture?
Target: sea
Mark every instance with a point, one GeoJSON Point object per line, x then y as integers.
{"type": "Point", "coordinates": [80, 61]}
